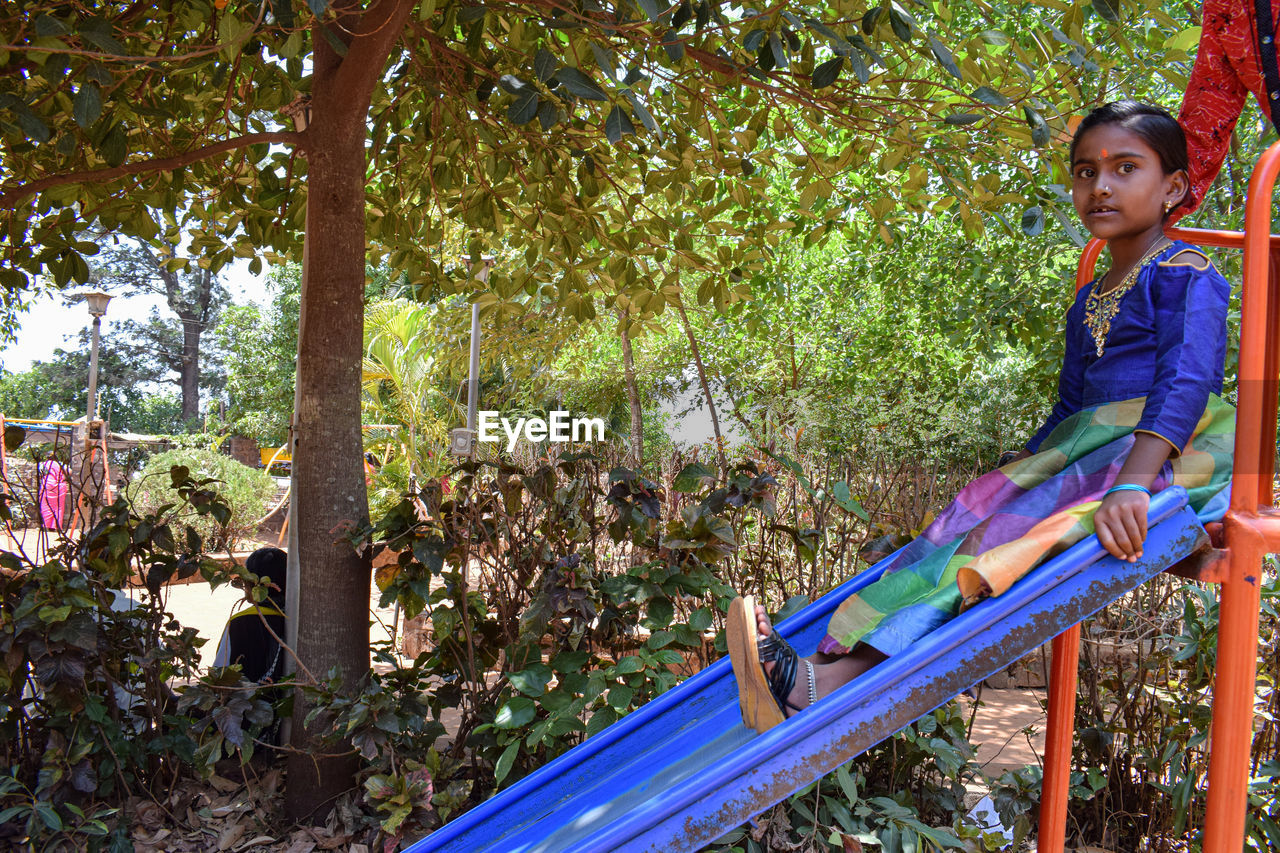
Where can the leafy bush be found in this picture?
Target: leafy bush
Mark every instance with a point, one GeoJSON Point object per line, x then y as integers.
{"type": "Point", "coordinates": [89, 724]}
{"type": "Point", "coordinates": [1143, 714]}
{"type": "Point", "coordinates": [244, 491]}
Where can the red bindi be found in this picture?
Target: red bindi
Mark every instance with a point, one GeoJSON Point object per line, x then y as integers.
{"type": "Point", "coordinates": [1105, 155]}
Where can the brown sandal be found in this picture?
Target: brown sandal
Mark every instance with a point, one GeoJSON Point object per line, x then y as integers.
{"type": "Point", "coordinates": [762, 697]}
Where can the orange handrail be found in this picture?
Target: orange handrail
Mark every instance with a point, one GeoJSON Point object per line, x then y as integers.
{"type": "Point", "coordinates": [1250, 531]}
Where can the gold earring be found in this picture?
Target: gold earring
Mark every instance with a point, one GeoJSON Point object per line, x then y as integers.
{"type": "Point", "coordinates": [1168, 206]}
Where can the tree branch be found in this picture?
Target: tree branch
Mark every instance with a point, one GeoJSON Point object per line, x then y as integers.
{"type": "Point", "coordinates": [13, 192]}
{"type": "Point", "coordinates": [377, 31]}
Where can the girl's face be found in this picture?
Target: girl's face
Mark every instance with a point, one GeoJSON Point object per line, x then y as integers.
{"type": "Point", "coordinates": [1119, 185]}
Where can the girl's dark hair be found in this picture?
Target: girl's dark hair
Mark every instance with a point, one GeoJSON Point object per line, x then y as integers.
{"type": "Point", "coordinates": [1153, 125]}
{"type": "Point", "coordinates": [273, 563]}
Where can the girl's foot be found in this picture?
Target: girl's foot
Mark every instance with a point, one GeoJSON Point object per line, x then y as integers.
{"type": "Point", "coordinates": [830, 672]}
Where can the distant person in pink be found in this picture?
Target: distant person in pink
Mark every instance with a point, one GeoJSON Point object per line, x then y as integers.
{"type": "Point", "coordinates": [53, 494]}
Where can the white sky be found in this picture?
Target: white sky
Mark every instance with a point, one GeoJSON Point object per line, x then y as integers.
{"type": "Point", "coordinates": [51, 324]}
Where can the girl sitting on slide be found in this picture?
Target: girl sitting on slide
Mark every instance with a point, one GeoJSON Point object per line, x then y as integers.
{"type": "Point", "coordinates": [1138, 410]}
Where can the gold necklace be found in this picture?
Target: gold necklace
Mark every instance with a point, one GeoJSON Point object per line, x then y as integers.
{"type": "Point", "coordinates": [1101, 308]}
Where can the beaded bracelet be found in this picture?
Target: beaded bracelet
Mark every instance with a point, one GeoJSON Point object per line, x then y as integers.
{"type": "Point", "coordinates": [1128, 487]}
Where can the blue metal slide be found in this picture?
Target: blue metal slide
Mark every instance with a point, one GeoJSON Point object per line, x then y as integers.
{"type": "Point", "coordinates": [683, 770]}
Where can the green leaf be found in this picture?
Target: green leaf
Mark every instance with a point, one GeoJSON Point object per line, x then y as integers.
{"type": "Point", "coordinates": [517, 712]}
{"type": "Point", "coordinates": [1033, 220]}
{"type": "Point", "coordinates": [617, 125]}
{"type": "Point", "coordinates": [628, 665]}
{"type": "Point", "coordinates": [673, 45]}
{"type": "Point", "coordinates": [104, 41]}
{"type": "Point", "coordinates": [990, 96]}
{"type": "Point", "coordinates": [859, 66]}
{"type": "Point", "coordinates": [1108, 9]}
{"type": "Point", "coordinates": [317, 7]}
{"type": "Point", "coordinates": [49, 816]}
{"type": "Point", "coordinates": [901, 23]}
{"type": "Point", "coordinates": [503, 766]}
{"type": "Point", "coordinates": [524, 106]}
{"type": "Point", "coordinates": [945, 58]}
{"type": "Point", "coordinates": [963, 118]}
{"type": "Point", "coordinates": [661, 612]}
{"type": "Point", "coordinates": [531, 681]}
{"type": "Point", "coordinates": [87, 106]}
{"type": "Point", "coordinates": [780, 58]}
{"type": "Point", "coordinates": [32, 126]}
{"type": "Point", "coordinates": [846, 501]}
{"type": "Point", "coordinates": [580, 85]}
{"type": "Point", "coordinates": [567, 662]}
{"type": "Point", "coordinates": [1039, 128]}
{"type": "Point", "coordinates": [692, 477]}
{"type": "Point", "coordinates": [544, 65]}
{"type": "Point", "coordinates": [822, 29]}
{"type": "Point", "coordinates": [1076, 237]}
{"type": "Point", "coordinates": [650, 9]}
{"type": "Point", "coordinates": [871, 18]}
{"type": "Point", "coordinates": [826, 73]}
{"type": "Point", "coordinates": [601, 720]}
{"type": "Point", "coordinates": [605, 60]}
{"type": "Point", "coordinates": [620, 697]}
{"type": "Point", "coordinates": [47, 25]}
{"type": "Point", "coordinates": [641, 113]}
{"type": "Point", "coordinates": [115, 146]}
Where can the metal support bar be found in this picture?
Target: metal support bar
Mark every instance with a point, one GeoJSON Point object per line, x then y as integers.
{"type": "Point", "coordinates": [1057, 752]}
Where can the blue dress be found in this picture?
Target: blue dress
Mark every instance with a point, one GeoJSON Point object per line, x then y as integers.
{"type": "Point", "coordinates": [1167, 343]}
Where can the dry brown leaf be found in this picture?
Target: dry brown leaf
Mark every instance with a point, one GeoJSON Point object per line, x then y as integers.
{"type": "Point", "coordinates": [271, 782]}
{"type": "Point", "coordinates": [300, 843]}
{"type": "Point", "coordinates": [230, 834]}
{"type": "Point", "coordinates": [256, 841]}
{"type": "Point", "coordinates": [328, 838]}
{"type": "Point", "coordinates": [150, 837]}
{"type": "Point", "coordinates": [358, 848]}
{"type": "Point", "coordinates": [150, 815]}
{"type": "Point", "coordinates": [850, 844]}
{"type": "Point", "coordinates": [224, 785]}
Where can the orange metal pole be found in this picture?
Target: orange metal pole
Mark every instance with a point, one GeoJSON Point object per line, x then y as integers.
{"type": "Point", "coordinates": [1058, 735]}
{"type": "Point", "coordinates": [1235, 677]}
{"type": "Point", "coordinates": [1271, 383]}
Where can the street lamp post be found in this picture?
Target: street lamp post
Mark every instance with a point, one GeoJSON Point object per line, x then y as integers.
{"type": "Point", "coordinates": [97, 307]}
{"type": "Point", "coordinates": [463, 441]}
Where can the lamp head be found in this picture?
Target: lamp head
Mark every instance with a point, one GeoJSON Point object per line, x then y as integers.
{"type": "Point", "coordinates": [97, 302]}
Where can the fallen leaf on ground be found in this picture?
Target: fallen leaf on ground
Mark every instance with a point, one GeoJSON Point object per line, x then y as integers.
{"type": "Point", "coordinates": [223, 784]}
{"type": "Point", "coordinates": [230, 834]}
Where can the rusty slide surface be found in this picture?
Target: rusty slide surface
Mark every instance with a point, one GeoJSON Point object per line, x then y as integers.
{"type": "Point", "coordinates": [683, 770]}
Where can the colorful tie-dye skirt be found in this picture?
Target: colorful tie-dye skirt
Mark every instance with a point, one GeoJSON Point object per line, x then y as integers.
{"type": "Point", "coordinates": [1010, 520]}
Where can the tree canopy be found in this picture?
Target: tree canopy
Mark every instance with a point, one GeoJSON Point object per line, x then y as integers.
{"type": "Point", "coordinates": [624, 152]}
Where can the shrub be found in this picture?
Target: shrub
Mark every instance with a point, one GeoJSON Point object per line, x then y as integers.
{"type": "Point", "coordinates": [245, 491]}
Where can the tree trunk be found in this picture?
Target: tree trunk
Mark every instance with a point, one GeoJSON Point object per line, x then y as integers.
{"type": "Point", "coordinates": [189, 375]}
{"type": "Point", "coordinates": [332, 619]}
{"type": "Point", "coordinates": [706, 387]}
{"type": "Point", "coordinates": [633, 395]}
